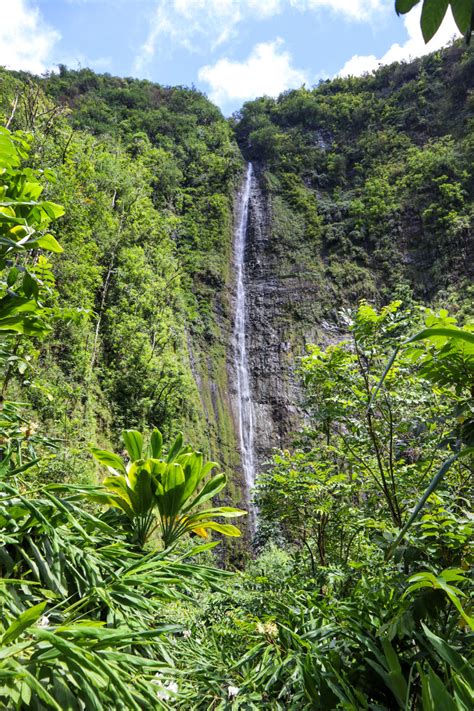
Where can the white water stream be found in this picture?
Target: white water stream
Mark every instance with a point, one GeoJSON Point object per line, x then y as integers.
{"type": "Point", "coordinates": [244, 397]}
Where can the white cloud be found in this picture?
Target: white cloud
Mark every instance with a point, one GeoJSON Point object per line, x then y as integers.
{"type": "Point", "coordinates": [187, 23]}
{"type": "Point", "coordinates": [414, 46]}
{"type": "Point", "coordinates": [267, 70]}
{"type": "Point", "coordinates": [196, 24]}
{"type": "Point", "coordinates": [361, 10]}
{"type": "Point", "coordinates": [26, 41]}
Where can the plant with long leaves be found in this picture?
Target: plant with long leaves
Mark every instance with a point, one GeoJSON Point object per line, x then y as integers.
{"type": "Point", "coordinates": [152, 485]}
{"type": "Point", "coordinates": [80, 665]}
{"type": "Point", "coordinates": [81, 616]}
{"type": "Point", "coordinates": [443, 581]}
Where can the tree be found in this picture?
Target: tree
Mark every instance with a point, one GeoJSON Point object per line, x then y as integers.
{"type": "Point", "coordinates": [24, 220]}
{"type": "Point", "coordinates": [27, 288]}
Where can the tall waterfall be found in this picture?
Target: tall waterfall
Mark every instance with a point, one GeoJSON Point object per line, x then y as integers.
{"type": "Point", "coordinates": [244, 397]}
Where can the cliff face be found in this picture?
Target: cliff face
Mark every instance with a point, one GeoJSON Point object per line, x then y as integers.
{"type": "Point", "coordinates": [284, 295]}
{"type": "Point", "coordinates": [363, 189]}
{"type": "Point", "coordinates": [271, 296]}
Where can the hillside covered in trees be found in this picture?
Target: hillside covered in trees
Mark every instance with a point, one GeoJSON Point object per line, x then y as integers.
{"type": "Point", "coordinates": [374, 176]}
{"type": "Point", "coordinates": [119, 201]}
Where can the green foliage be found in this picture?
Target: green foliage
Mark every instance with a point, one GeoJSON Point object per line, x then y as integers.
{"type": "Point", "coordinates": [147, 238]}
{"type": "Point", "coordinates": [443, 582]}
{"type": "Point", "coordinates": [80, 614]}
{"type": "Point", "coordinates": [433, 12]}
{"type": "Point", "coordinates": [24, 220]}
{"type": "Point", "coordinates": [447, 360]}
{"type": "Point", "coordinates": [80, 606]}
{"type": "Point", "coordinates": [398, 626]}
{"type": "Point", "coordinates": [169, 484]}
{"type": "Point", "coordinates": [370, 188]}
{"type": "Point", "coordinates": [27, 288]}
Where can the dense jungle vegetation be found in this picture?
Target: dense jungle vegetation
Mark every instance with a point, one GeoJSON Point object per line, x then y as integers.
{"type": "Point", "coordinates": [116, 215]}
{"type": "Point", "coordinates": [371, 182]}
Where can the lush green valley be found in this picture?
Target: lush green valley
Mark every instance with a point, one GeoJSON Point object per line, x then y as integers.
{"type": "Point", "coordinates": [118, 209]}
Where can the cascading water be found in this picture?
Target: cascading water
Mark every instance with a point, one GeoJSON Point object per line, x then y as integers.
{"type": "Point", "coordinates": [244, 397]}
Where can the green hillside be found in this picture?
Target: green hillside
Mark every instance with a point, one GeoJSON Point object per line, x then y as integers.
{"type": "Point", "coordinates": [146, 175]}
{"type": "Point", "coordinates": [370, 179]}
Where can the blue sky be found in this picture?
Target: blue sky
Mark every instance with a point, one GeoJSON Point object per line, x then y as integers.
{"type": "Point", "coordinates": [233, 50]}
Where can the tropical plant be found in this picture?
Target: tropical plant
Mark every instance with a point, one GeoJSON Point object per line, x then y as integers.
{"type": "Point", "coordinates": [444, 354]}
{"type": "Point", "coordinates": [361, 600]}
{"type": "Point", "coordinates": [152, 482]}
{"type": "Point", "coordinates": [304, 500]}
{"type": "Point", "coordinates": [443, 581]}
{"type": "Point", "coordinates": [82, 665]}
{"type": "Point", "coordinates": [390, 448]}
{"type": "Point", "coordinates": [433, 12]}
{"type": "Point", "coordinates": [77, 603]}
{"type": "Point", "coordinates": [27, 289]}
{"type": "Point", "coordinates": [24, 220]}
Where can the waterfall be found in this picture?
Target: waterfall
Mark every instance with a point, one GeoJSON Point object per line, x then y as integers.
{"type": "Point", "coordinates": [244, 397]}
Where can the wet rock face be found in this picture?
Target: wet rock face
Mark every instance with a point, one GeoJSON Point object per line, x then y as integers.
{"type": "Point", "coordinates": [284, 289]}
{"type": "Point", "coordinates": [274, 383]}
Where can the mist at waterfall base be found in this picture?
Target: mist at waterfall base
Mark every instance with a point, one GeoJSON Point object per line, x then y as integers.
{"type": "Point", "coordinates": [244, 404]}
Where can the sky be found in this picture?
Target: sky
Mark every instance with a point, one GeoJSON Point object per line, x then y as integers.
{"type": "Point", "coordinates": [233, 50]}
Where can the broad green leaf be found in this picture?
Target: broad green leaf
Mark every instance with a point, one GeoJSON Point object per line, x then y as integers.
{"type": "Point", "coordinates": [450, 655]}
{"type": "Point", "coordinates": [463, 11]}
{"type": "Point", "coordinates": [156, 443]}
{"type": "Point", "coordinates": [225, 528]}
{"type": "Point", "coordinates": [12, 276]}
{"type": "Point", "coordinates": [192, 473]}
{"type": "Point", "coordinates": [123, 497]}
{"type": "Point", "coordinates": [447, 332]}
{"type": "Point", "coordinates": [156, 467]}
{"type": "Point", "coordinates": [30, 286]}
{"type": "Point", "coordinates": [208, 467]}
{"type": "Point", "coordinates": [224, 511]}
{"type": "Point", "coordinates": [134, 443]}
{"type": "Point", "coordinates": [143, 491]}
{"type": "Point", "coordinates": [110, 460]}
{"type": "Point", "coordinates": [404, 6]}
{"type": "Point", "coordinates": [173, 486]}
{"type": "Point", "coordinates": [133, 470]}
{"type": "Point", "coordinates": [435, 694]}
{"type": "Point", "coordinates": [175, 449]}
{"type": "Point", "coordinates": [49, 243]}
{"type": "Point", "coordinates": [13, 305]}
{"type": "Point", "coordinates": [52, 209]}
{"type": "Point", "coordinates": [210, 489]}
{"type": "Point", "coordinates": [432, 15]}
{"type": "Point", "coordinates": [23, 325]}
